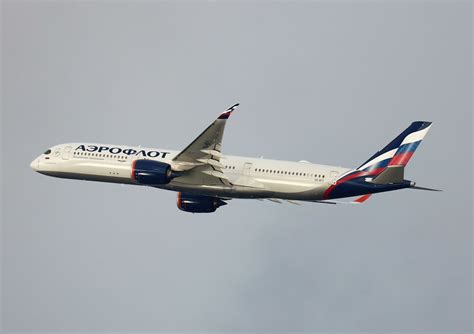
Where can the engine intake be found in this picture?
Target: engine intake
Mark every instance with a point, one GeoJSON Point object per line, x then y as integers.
{"type": "Point", "coordinates": [151, 172]}
{"type": "Point", "coordinates": [198, 203]}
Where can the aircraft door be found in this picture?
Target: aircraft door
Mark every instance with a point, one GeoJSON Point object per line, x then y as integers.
{"type": "Point", "coordinates": [247, 168]}
{"type": "Point", "coordinates": [333, 176]}
{"type": "Point", "coordinates": [67, 152]}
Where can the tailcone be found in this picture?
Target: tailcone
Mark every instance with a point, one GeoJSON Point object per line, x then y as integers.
{"type": "Point", "coordinates": [358, 187]}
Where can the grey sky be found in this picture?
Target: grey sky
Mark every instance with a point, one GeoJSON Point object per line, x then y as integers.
{"type": "Point", "coordinates": [325, 82]}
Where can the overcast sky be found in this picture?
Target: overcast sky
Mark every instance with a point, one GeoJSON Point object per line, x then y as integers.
{"type": "Point", "coordinates": [326, 82]}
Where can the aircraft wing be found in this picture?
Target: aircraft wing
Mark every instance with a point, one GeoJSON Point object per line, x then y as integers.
{"type": "Point", "coordinates": [205, 150]}
{"type": "Point", "coordinates": [358, 200]}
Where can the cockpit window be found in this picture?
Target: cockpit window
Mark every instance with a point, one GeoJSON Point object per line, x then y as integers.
{"type": "Point", "coordinates": [47, 152]}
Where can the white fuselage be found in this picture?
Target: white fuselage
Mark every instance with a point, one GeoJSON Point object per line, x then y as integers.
{"type": "Point", "coordinates": [249, 177]}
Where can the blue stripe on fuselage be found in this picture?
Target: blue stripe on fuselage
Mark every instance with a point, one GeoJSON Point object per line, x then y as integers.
{"type": "Point", "coordinates": [358, 186]}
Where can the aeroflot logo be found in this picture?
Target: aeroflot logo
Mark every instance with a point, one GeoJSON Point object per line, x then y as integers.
{"type": "Point", "coordinates": [118, 150]}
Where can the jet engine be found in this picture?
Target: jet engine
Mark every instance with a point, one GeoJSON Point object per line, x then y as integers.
{"type": "Point", "coordinates": [198, 203]}
{"type": "Point", "coordinates": [151, 172]}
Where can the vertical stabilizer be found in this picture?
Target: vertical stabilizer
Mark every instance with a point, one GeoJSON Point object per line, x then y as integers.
{"type": "Point", "coordinates": [399, 151]}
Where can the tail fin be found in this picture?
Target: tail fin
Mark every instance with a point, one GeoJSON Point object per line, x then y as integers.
{"type": "Point", "coordinates": [399, 151]}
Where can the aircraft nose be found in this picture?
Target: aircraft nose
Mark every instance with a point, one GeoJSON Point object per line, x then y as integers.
{"type": "Point", "coordinates": [34, 165]}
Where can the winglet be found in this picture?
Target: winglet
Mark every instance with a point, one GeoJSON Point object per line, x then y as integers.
{"type": "Point", "coordinates": [226, 114]}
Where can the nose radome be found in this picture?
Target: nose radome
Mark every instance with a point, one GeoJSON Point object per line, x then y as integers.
{"type": "Point", "coordinates": [34, 165]}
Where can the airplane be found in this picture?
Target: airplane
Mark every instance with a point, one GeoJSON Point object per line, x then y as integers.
{"type": "Point", "coordinates": [206, 179]}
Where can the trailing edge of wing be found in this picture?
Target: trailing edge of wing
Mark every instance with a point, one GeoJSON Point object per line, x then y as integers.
{"type": "Point", "coordinates": [358, 200]}
{"type": "Point", "coordinates": [214, 153]}
{"type": "Point", "coordinates": [279, 201]}
{"type": "Point", "coordinates": [211, 162]}
{"type": "Point", "coordinates": [215, 173]}
{"type": "Point", "coordinates": [293, 202]}
{"type": "Point", "coordinates": [275, 200]}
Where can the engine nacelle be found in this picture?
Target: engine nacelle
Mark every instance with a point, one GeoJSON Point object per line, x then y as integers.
{"type": "Point", "coordinates": [198, 203]}
{"type": "Point", "coordinates": [151, 172]}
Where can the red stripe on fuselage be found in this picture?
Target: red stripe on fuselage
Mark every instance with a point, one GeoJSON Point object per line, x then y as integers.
{"type": "Point", "coordinates": [178, 201]}
{"type": "Point", "coordinates": [133, 170]}
{"type": "Point", "coordinates": [349, 177]}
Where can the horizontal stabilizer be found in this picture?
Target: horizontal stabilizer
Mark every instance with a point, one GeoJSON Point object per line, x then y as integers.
{"type": "Point", "coordinates": [424, 188]}
{"type": "Point", "coordinates": [391, 174]}
{"type": "Point", "coordinates": [362, 199]}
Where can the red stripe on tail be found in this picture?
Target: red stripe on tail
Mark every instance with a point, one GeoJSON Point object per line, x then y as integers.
{"type": "Point", "coordinates": [401, 159]}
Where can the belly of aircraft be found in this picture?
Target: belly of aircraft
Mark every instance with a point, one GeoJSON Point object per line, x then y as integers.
{"type": "Point", "coordinates": [258, 189]}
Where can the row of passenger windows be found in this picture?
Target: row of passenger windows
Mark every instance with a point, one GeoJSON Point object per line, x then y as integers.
{"type": "Point", "coordinates": [272, 171]}
{"type": "Point", "coordinates": [119, 157]}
